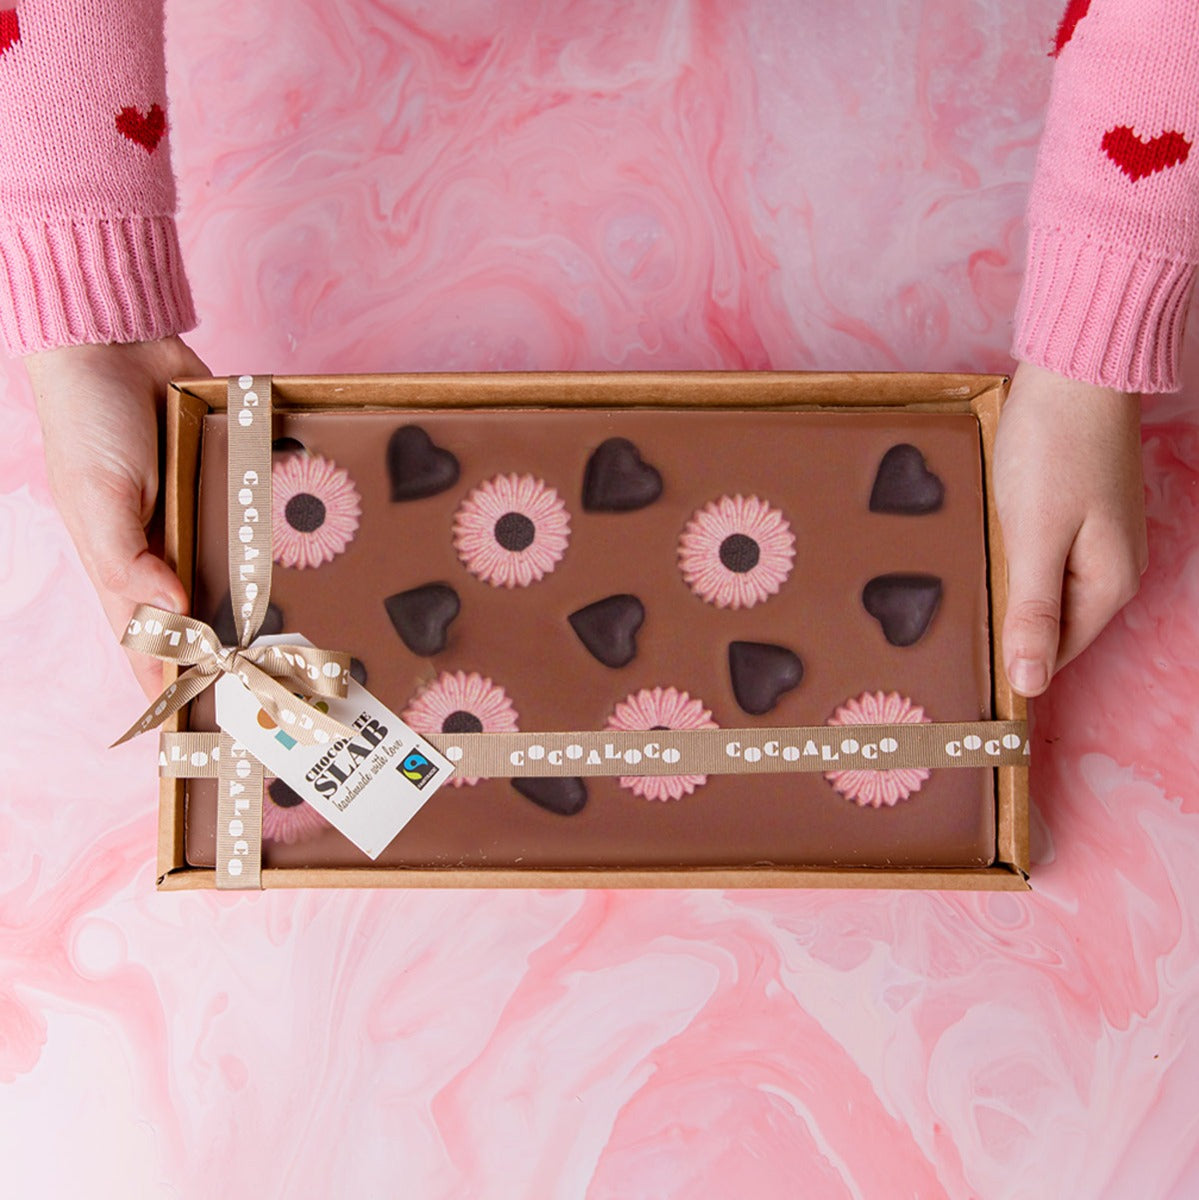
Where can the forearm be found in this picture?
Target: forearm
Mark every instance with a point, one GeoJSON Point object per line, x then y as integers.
{"type": "Point", "coordinates": [1113, 216]}
{"type": "Point", "coordinates": [88, 245]}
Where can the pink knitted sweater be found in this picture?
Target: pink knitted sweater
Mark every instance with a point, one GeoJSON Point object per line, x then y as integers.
{"type": "Point", "coordinates": [1113, 220]}
{"type": "Point", "coordinates": [89, 250]}
{"type": "Point", "coordinates": [88, 246]}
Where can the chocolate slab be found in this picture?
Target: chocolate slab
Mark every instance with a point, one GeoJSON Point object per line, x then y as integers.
{"type": "Point", "coordinates": [816, 468]}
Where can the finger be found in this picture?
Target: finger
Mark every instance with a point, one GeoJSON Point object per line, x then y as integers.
{"type": "Point", "coordinates": [115, 550]}
{"type": "Point", "coordinates": [118, 560]}
{"type": "Point", "coordinates": [1103, 573]}
{"type": "Point", "coordinates": [188, 364]}
{"type": "Point", "coordinates": [147, 670]}
{"type": "Point", "coordinates": [1032, 626]}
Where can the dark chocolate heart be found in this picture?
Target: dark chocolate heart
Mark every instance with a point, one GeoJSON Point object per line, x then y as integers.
{"type": "Point", "coordinates": [903, 605]}
{"type": "Point", "coordinates": [226, 631]}
{"type": "Point", "coordinates": [761, 673]}
{"type": "Point", "coordinates": [608, 628]}
{"type": "Point", "coordinates": [418, 467]}
{"type": "Point", "coordinates": [283, 795]}
{"type": "Point", "coordinates": [422, 616]}
{"type": "Point", "coordinates": [564, 796]}
{"type": "Point", "coordinates": [288, 445]}
{"type": "Point", "coordinates": [358, 671]}
{"type": "Point", "coordinates": [616, 480]}
{"type": "Point", "coordinates": [905, 485]}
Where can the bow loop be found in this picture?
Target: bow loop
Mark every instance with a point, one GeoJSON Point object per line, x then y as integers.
{"type": "Point", "coordinates": [274, 674]}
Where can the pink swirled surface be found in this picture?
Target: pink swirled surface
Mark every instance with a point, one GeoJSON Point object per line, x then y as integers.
{"type": "Point", "coordinates": [473, 186]}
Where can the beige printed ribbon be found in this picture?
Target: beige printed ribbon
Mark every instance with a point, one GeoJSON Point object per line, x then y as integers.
{"type": "Point", "coordinates": [737, 751]}
{"type": "Point", "coordinates": [278, 676]}
{"type": "Point", "coordinates": [791, 749]}
{"type": "Point", "coordinates": [239, 817]}
{"type": "Point", "coordinates": [248, 423]}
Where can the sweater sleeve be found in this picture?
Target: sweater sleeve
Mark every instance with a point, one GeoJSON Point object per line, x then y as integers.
{"type": "Point", "coordinates": [1113, 217]}
{"type": "Point", "coordinates": [89, 250]}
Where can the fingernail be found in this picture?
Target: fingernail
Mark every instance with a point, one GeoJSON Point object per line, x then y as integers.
{"type": "Point", "coordinates": [167, 602]}
{"type": "Point", "coordinates": [1029, 675]}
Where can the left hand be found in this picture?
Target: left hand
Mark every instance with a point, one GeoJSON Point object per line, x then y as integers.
{"type": "Point", "coordinates": [1071, 501]}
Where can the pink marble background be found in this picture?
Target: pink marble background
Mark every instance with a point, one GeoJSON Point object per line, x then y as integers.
{"type": "Point", "coordinates": [373, 186]}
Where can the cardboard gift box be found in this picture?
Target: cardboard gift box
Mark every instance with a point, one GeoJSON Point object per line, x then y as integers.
{"type": "Point", "coordinates": [370, 408]}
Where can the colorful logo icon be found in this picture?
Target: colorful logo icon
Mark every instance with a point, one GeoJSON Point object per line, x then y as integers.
{"type": "Point", "coordinates": [417, 769]}
{"type": "Point", "coordinates": [285, 740]}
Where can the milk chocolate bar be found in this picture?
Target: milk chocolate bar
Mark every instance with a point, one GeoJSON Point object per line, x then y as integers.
{"type": "Point", "coordinates": [572, 569]}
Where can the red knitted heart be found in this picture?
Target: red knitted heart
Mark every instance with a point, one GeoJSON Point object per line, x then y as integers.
{"type": "Point", "coordinates": [1075, 11]}
{"type": "Point", "coordinates": [10, 28]}
{"type": "Point", "coordinates": [145, 130]}
{"type": "Point", "coordinates": [1137, 158]}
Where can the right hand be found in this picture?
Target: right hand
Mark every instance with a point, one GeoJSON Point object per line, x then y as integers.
{"type": "Point", "coordinates": [99, 407]}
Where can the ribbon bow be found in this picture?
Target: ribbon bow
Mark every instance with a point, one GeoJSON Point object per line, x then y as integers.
{"type": "Point", "coordinates": [192, 643]}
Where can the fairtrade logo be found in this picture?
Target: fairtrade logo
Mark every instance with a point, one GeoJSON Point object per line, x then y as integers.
{"type": "Point", "coordinates": [285, 740]}
{"type": "Point", "coordinates": [417, 769]}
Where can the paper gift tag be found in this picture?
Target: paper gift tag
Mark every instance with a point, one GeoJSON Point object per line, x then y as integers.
{"type": "Point", "coordinates": [368, 787]}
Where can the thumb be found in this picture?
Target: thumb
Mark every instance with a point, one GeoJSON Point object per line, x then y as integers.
{"type": "Point", "coordinates": [127, 574]}
{"type": "Point", "coordinates": [1032, 625]}
{"type": "Point", "coordinates": [118, 559]}
{"type": "Point", "coordinates": [153, 582]}
{"type": "Point", "coordinates": [117, 555]}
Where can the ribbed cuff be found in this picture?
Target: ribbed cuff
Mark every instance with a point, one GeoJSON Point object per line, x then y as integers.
{"type": "Point", "coordinates": [1108, 315]}
{"type": "Point", "coordinates": [67, 282]}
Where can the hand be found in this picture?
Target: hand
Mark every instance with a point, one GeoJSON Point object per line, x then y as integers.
{"type": "Point", "coordinates": [99, 408]}
{"type": "Point", "coordinates": [1072, 505]}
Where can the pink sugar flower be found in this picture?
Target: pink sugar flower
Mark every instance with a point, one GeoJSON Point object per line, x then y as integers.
{"type": "Point", "coordinates": [460, 703]}
{"type": "Point", "coordinates": [663, 708]}
{"type": "Point", "coordinates": [314, 509]}
{"type": "Point", "coordinates": [511, 531]}
{"type": "Point", "coordinates": [287, 817]}
{"type": "Point", "coordinates": [873, 789]}
{"type": "Point", "coordinates": [736, 552]}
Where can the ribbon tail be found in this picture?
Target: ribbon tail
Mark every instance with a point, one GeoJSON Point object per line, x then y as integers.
{"type": "Point", "coordinates": [185, 689]}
